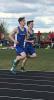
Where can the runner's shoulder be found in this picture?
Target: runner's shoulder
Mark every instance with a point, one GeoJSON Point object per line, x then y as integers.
{"type": "Point", "coordinates": [15, 31]}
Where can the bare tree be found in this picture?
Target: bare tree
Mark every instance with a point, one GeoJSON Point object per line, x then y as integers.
{"type": "Point", "coordinates": [3, 27]}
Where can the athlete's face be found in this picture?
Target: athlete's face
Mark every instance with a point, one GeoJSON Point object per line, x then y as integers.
{"type": "Point", "coordinates": [22, 22]}
{"type": "Point", "coordinates": [31, 25]}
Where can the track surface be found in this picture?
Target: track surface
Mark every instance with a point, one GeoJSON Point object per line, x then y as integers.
{"type": "Point", "coordinates": [30, 85]}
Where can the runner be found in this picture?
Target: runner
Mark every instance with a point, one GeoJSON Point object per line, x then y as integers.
{"type": "Point", "coordinates": [21, 33]}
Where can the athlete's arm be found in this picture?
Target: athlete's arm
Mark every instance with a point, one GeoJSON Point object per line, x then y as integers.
{"type": "Point", "coordinates": [11, 35]}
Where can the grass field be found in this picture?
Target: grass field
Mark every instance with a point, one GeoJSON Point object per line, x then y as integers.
{"type": "Point", "coordinates": [43, 62]}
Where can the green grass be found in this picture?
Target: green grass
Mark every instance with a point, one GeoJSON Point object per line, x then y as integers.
{"type": "Point", "coordinates": [43, 62]}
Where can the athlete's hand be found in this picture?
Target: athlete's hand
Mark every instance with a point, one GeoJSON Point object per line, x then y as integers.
{"type": "Point", "coordinates": [16, 42]}
{"type": "Point", "coordinates": [32, 41]}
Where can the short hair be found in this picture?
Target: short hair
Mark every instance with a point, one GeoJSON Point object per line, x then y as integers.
{"type": "Point", "coordinates": [28, 22]}
{"type": "Point", "coordinates": [20, 19]}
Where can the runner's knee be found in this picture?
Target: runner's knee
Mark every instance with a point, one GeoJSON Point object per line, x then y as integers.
{"type": "Point", "coordinates": [33, 55]}
{"type": "Point", "coordinates": [23, 54]}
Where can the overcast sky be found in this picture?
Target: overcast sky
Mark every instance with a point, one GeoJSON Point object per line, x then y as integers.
{"type": "Point", "coordinates": [41, 11]}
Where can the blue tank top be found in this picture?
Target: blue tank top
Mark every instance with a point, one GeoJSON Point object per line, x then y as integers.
{"type": "Point", "coordinates": [21, 36]}
{"type": "Point", "coordinates": [31, 36]}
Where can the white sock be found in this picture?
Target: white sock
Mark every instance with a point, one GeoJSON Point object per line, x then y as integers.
{"type": "Point", "coordinates": [15, 60]}
{"type": "Point", "coordinates": [12, 68]}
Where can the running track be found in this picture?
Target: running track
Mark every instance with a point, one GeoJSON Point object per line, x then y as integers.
{"type": "Point", "coordinates": [30, 85]}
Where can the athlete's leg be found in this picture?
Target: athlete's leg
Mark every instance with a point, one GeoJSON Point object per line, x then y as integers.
{"type": "Point", "coordinates": [20, 56]}
{"type": "Point", "coordinates": [23, 63]}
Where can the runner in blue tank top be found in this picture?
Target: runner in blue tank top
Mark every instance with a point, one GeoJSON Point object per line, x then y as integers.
{"type": "Point", "coordinates": [21, 33]}
{"type": "Point", "coordinates": [30, 41]}
{"type": "Point", "coordinates": [29, 48]}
